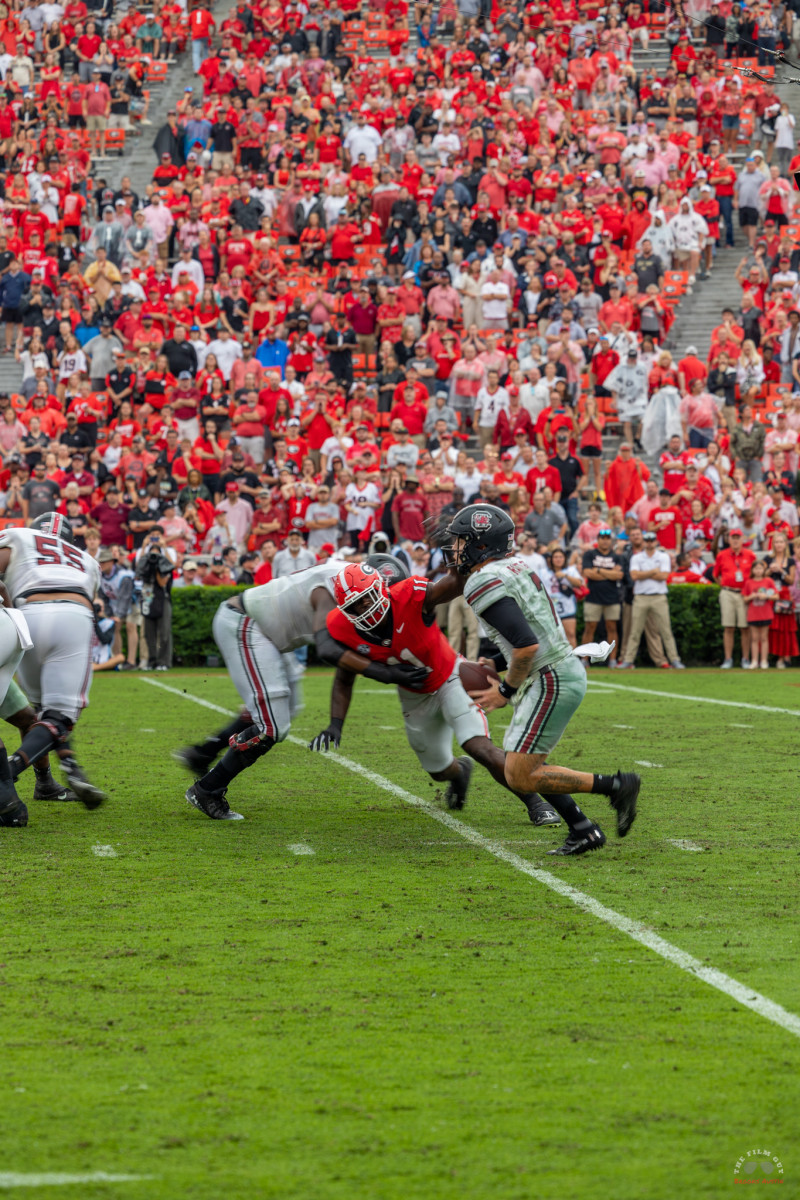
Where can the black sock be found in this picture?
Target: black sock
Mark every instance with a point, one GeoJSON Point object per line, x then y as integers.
{"type": "Point", "coordinates": [232, 763]}
{"type": "Point", "coordinates": [605, 785]}
{"type": "Point", "coordinates": [42, 771]}
{"type": "Point", "coordinates": [38, 741]}
{"type": "Point", "coordinates": [568, 810]}
{"type": "Point", "coordinates": [5, 770]}
{"type": "Point", "coordinates": [218, 742]}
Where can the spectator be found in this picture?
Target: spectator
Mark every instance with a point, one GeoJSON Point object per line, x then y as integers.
{"type": "Point", "coordinates": [649, 570]}
{"type": "Point", "coordinates": [602, 570]}
{"type": "Point", "coordinates": [731, 570]}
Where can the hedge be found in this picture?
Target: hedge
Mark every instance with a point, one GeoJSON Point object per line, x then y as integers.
{"type": "Point", "coordinates": [694, 610]}
{"type": "Point", "coordinates": [695, 616]}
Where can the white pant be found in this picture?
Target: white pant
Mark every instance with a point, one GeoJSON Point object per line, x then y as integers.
{"type": "Point", "coordinates": [57, 672]}
{"type": "Point", "coordinates": [188, 429]}
{"type": "Point", "coordinates": [254, 446]}
{"type": "Point", "coordinates": [266, 680]}
{"type": "Point", "coordinates": [10, 655]}
{"type": "Point", "coordinates": [432, 718]}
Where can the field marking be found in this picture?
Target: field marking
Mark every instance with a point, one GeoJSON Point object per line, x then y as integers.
{"type": "Point", "coordinates": [642, 762]}
{"type": "Point", "coordinates": [148, 731]}
{"type": "Point", "coordinates": [736, 725]}
{"type": "Point", "coordinates": [744, 995]}
{"type": "Point", "coordinates": [624, 687]}
{"type": "Point", "coordinates": [104, 851]}
{"type": "Point", "coordinates": [15, 1179]}
{"type": "Point", "coordinates": [622, 726]}
{"type": "Point", "coordinates": [685, 844]}
{"type": "Point", "coordinates": [300, 848]}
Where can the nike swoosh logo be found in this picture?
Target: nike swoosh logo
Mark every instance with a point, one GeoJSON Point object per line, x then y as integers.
{"type": "Point", "coordinates": [400, 628]}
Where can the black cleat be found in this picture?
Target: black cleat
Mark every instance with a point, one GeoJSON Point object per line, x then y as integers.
{"type": "Point", "coordinates": [13, 813]}
{"type": "Point", "coordinates": [48, 788]}
{"type": "Point", "coordinates": [581, 840]}
{"type": "Point", "coordinates": [623, 800]}
{"type": "Point", "coordinates": [213, 804]}
{"type": "Point", "coordinates": [86, 792]}
{"type": "Point", "coordinates": [539, 811]}
{"type": "Point", "coordinates": [193, 759]}
{"type": "Point", "coordinates": [456, 794]}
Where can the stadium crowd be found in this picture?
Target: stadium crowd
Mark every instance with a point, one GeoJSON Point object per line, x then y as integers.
{"type": "Point", "coordinates": [389, 262]}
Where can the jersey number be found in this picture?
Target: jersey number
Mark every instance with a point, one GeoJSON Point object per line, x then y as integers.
{"type": "Point", "coordinates": [537, 583]}
{"type": "Point", "coordinates": [54, 553]}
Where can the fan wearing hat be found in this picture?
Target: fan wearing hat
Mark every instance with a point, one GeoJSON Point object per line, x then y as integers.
{"type": "Point", "coordinates": [649, 570]}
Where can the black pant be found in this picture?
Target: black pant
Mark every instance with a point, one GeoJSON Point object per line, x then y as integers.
{"type": "Point", "coordinates": [158, 635]}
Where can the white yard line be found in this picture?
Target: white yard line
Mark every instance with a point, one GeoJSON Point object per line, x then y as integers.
{"type": "Point", "coordinates": [744, 995]}
{"type": "Point", "coordinates": [685, 844]}
{"type": "Point", "coordinates": [624, 687]}
{"type": "Point", "coordinates": [300, 848]}
{"type": "Point", "coordinates": [104, 851]}
{"type": "Point", "coordinates": [642, 762]}
{"type": "Point", "coordinates": [16, 1179]}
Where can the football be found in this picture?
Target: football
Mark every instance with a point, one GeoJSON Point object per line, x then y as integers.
{"type": "Point", "coordinates": [475, 677]}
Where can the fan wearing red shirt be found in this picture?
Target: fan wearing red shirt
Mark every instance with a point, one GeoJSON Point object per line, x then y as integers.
{"type": "Point", "coordinates": [543, 476]}
{"type": "Point", "coordinates": [665, 522]}
{"type": "Point", "coordinates": [410, 413]}
{"type": "Point", "coordinates": [343, 239]}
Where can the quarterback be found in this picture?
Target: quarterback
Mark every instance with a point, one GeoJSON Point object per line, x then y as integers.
{"type": "Point", "coordinates": [544, 682]}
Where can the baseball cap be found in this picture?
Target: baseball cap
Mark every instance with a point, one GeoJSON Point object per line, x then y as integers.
{"type": "Point", "coordinates": [185, 375]}
{"type": "Point", "coordinates": [735, 532]}
{"type": "Point", "coordinates": [231, 487]}
{"type": "Point", "coordinates": [649, 536]}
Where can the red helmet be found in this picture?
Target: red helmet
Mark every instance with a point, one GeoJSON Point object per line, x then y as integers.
{"type": "Point", "coordinates": [361, 593]}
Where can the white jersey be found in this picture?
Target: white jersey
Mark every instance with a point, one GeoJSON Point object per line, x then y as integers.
{"type": "Point", "coordinates": [511, 577]}
{"type": "Point", "coordinates": [41, 562]}
{"type": "Point", "coordinates": [282, 608]}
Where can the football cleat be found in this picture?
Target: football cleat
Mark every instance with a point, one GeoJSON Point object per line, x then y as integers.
{"type": "Point", "coordinates": [48, 788]}
{"type": "Point", "coordinates": [582, 840]}
{"type": "Point", "coordinates": [86, 792]}
{"type": "Point", "coordinates": [193, 759]}
{"type": "Point", "coordinates": [13, 813]}
{"type": "Point", "coordinates": [213, 804]}
{"type": "Point", "coordinates": [456, 794]}
{"type": "Point", "coordinates": [623, 800]}
{"type": "Point", "coordinates": [539, 811]}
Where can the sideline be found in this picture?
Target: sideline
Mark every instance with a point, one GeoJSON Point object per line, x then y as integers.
{"type": "Point", "coordinates": [744, 995]}
{"type": "Point", "coordinates": [601, 685]}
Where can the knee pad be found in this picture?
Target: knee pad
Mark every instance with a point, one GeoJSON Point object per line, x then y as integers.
{"type": "Point", "coordinates": [250, 746]}
{"type": "Point", "coordinates": [59, 725]}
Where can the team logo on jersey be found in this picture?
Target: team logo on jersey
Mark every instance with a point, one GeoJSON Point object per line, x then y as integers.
{"type": "Point", "coordinates": [481, 521]}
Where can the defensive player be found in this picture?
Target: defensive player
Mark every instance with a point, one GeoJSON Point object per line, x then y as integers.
{"type": "Point", "coordinates": [256, 632]}
{"type": "Point", "coordinates": [397, 623]}
{"type": "Point", "coordinates": [54, 583]}
{"type": "Point", "coordinates": [544, 682]}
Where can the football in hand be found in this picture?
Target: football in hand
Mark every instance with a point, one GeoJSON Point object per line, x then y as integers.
{"type": "Point", "coordinates": [475, 677]}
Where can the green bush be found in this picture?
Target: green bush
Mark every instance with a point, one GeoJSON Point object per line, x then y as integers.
{"type": "Point", "coordinates": [694, 611]}
{"type": "Point", "coordinates": [193, 611]}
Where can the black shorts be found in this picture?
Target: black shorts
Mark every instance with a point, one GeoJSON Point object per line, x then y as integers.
{"type": "Point", "coordinates": [12, 316]}
{"type": "Point", "coordinates": [590, 452]}
{"type": "Point", "coordinates": [599, 390]}
{"type": "Point", "coordinates": [780, 219]}
{"type": "Point", "coordinates": [759, 624]}
{"type": "Point", "coordinates": [748, 216]}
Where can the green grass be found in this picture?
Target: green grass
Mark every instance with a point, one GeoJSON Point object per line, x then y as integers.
{"type": "Point", "coordinates": [401, 1015]}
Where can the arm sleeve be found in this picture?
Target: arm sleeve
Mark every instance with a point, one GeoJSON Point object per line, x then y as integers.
{"type": "Point", "coordinates": [506, 616]}
{"type": "Point", "coordinates": [328, 649]}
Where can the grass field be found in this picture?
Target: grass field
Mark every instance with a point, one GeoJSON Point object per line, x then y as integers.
{"type": "Point", "coordinates": [401, 1013]}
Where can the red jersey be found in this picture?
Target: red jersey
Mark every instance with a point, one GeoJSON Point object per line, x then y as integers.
{"type": "Point", "coordinates": [416, 638]}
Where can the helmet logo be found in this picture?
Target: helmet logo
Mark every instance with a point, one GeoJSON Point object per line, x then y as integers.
{"type": "Point", "coordinates": [481, 521]}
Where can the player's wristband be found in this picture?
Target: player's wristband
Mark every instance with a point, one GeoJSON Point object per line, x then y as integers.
{"type": "Point", "coordinates": [506, 690]}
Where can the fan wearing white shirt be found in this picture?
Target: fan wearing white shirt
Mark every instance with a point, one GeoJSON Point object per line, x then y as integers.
{"type": "Point", "coordinates": [495, 301]}
{"type": "Point", "coordinates": [489, 403]}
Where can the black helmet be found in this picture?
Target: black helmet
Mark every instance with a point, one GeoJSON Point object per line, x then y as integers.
{"type": "Point", "coordinates": [484, 532]}
{"type": "Point", "coordinates": [390, 568]}
{"type": "Point", "coordinates": [54, 524]}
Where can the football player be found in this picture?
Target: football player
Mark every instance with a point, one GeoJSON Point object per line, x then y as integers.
{"type": "Point", "coordinates": [54, 583]}
{"type": "Point", "coordinates": [397, 623]}
{"type": "Point", "coordinates": [14, 637]}
{"type": "Point", "coordinates": [16, 710]}
{"type": "Point", "coordinates": [544, 682]}
{"type": "Point", "coordinates": [257, 632]}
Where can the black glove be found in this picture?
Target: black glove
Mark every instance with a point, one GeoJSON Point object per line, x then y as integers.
{"type": "Point", "coordinates": [403, 674]}
{"type": "Point", "coordinates": [329, 738]}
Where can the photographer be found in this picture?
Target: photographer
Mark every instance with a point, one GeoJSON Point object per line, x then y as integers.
{"type": "Point", "coordinates": [154, 568]}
